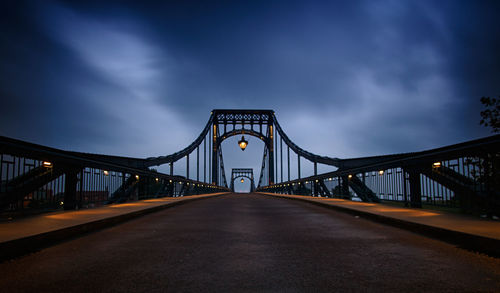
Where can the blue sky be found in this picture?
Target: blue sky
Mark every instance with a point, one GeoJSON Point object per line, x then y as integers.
{"type": "Point", "coordinates": [346, 78]}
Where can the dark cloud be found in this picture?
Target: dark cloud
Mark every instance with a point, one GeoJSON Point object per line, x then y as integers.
{"type": "Point", "coordinates": [346, 78]}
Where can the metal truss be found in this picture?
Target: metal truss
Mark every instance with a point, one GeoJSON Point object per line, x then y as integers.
{"type": "Point", "coordinates": [455, 171]}
{"type": "Point", "coordinates": [240, 173]}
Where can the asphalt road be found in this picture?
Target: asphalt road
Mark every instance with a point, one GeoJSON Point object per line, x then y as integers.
{"type": "Point", "coordinates": [251, 243]}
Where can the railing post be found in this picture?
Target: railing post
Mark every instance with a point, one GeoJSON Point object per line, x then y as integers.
{"type": "Point", "coordinates": [70, 183]}
{"type": "Point", "coordinates": [415, 189]}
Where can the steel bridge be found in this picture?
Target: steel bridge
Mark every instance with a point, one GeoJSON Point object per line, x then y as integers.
{"type": "Point", "coordinates": [242, 173]}
{"type": "Point", "coordinates": [463, 175]}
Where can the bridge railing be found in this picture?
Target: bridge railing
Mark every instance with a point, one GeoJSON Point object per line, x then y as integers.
{"type": "Point", "coordinates": [464, 176]}
{"type": "Point", "coordinates": [35, 178]}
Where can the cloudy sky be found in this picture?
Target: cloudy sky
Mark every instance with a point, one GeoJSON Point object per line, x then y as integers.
{"type": "Point", "coordinates": [346, 78]}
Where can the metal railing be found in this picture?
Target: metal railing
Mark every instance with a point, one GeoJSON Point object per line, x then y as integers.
{"type": "Point", "coordinates": [464, 176]}
{"type": "Point", "coordinates": [36, 178]}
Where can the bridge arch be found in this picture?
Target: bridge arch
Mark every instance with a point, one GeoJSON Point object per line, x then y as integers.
{"type": "Point", "coordinates": [242, 173]}
{"type": "Point", "coordinates": [242, 131]}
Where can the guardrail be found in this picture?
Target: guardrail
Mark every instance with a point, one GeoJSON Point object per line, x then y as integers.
{"type": "Point", "coordinates": [36, 178]}
{"type": "Point", "coordinates": [464, 176]}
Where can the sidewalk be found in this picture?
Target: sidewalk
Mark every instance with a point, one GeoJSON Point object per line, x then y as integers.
{"type": "Point", "coordinates": [30, 234]}
{"type": "Point", "coordinates": [482, 235]}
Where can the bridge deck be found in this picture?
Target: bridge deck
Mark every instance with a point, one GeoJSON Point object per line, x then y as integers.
{"type": "Point", "coordinates": [26, 234]}
{"type": "Point", "coordinates": [444, 221]}
{"type": "Point", "coordinates": [30, 233]}
{"type": "Point", "coordinates": [251, 243]}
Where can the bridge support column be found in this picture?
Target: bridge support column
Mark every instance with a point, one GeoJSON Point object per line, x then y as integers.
{"type": "Point", "coordinates": [344, 186]}
{"type": "Point", "coordinates": [215, 156]}
{"type": "Point", "coordinates": [271, 154]}
{"type": "Point", "coordinates": [70, 183]}
{"type": "Point", "coordinates": [415, 189]}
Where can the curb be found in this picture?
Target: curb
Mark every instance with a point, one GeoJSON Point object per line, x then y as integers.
{"type": "Point", "coordinates": [22, 246]}
{"type": "Point", "coordinates": [476, 243]}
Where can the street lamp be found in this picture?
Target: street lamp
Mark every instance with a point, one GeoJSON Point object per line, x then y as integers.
{"type": "Point", "coordinates": [243, 143]}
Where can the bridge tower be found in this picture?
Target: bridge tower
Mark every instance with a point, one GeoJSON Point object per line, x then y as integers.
{"type": "Point", "coordinates": [240, 173]}
{"type": "Point", "coordinates": [257, 123]}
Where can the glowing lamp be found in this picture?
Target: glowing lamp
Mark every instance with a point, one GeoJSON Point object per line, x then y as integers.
{"type": "Point", "coordinates": [242, 180]}
{"type": "Point", "coordinates": [349, 176]}
{"type": "Point", "coordinates": [243, 143]}
{"type": "Point", "coordinates": [47, 164]}
{"type": "Point", "coordinates": [436, 165]}
{"type": "Point", "coordinates": [381, 172]}
{"type": "Point", "coordinates": [137, 177]}
{"type": "Point", "coordinates": [106, 173]}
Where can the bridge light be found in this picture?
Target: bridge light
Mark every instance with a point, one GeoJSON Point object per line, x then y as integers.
{"type": "Point", "coordinates": [106, 173]}
{"type": "Point", "coordinates": [157, 179]}
{"type": "Point", "coordinates": [47, 164]}
{"type": "Point", "coordinates": [243, 143]}
{"type": "Point", "coordinates": [137, 177]}
{"type": "Point", "coordinates": [349, 176]}
{"type": "Point", "coordinates": [436, 165]}
{"type": "Point", "coordinates": [381, 172]}
{"type": "Point", "coordinates": [242, 180]}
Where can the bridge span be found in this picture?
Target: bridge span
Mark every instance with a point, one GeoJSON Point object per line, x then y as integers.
{"type": "Point", "coordinates": [251, 243]}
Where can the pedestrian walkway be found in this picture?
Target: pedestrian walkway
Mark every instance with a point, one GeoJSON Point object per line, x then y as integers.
{"type": "Point", "coordinates": [28, 234]}
{"type": "Point", "coordinates": [467, 231]}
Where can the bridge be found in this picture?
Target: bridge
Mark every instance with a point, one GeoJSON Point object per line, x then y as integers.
{"type": "Point", "coordinates": [419, 186]}
{"type": "Point", "coordinates": [242, 173]}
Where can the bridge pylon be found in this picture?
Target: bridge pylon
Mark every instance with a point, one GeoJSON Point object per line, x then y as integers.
{"type": "Point", "coordinates": [242, 173]}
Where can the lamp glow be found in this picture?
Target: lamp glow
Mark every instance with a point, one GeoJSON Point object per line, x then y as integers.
{"type": "Point", "coordinates": [436, 164]}
{"type": "Point", "coordinates": [243, 143]}
{"type": "Point", "coordinates": [242, 180]}
{"type": "Point", "coordinates": [47, 164]}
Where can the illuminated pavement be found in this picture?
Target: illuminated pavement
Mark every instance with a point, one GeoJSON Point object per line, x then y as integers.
{"type": "Point", "coordinates": [251, 243]}
{"type": "Point", "coordinates": [442, 220]}
{"type": "Point", "coordinates": [19, 236]}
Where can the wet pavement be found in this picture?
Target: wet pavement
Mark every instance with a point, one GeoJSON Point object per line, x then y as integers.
{"type": "Point", "coordinates": [251, 243]}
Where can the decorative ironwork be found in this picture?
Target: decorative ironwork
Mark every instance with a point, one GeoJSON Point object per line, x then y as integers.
{"type": "Point", "coordinates": [242, 173]}
{"type": "Point", "coordinates": [462, 175]}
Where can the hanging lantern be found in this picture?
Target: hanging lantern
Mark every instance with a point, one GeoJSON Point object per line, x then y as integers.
{"type": "Point", "coordinates": [243, 143]}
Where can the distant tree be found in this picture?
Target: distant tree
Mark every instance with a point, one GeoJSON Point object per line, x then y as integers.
{"type": "Point", "coordinates": [486, 171]}
{"type": "Point", "coordinates": [491, 116]}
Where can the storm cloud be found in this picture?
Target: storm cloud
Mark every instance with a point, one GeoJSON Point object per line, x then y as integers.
{"type": "Point", "coordinates": [345, 78]}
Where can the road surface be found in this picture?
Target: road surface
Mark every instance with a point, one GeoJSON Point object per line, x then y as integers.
{"type": "Point", "coordinates": [251, 243]}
